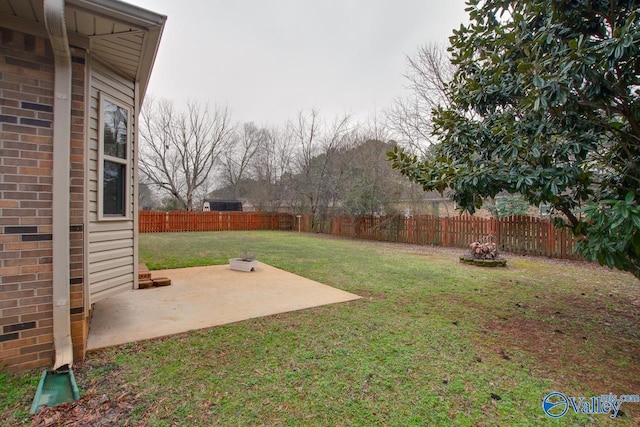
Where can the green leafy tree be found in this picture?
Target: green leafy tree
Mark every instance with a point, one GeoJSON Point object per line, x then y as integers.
{"type": "Point", "coordinates": [545, 102]}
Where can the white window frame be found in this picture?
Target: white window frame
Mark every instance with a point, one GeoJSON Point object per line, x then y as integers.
{"type": "Point", "coordinates": [102, 157]}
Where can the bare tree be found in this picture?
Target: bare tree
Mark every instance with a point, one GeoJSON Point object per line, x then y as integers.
{"type": "Point", "coordinates": [146, 198]}
{"type": "Point", "coordinates": [179, 149]}
{"type": "Point", "coordinates": [272, 171]}
{"type": "Point", "coordinates": [376, 127]}
{"type": "Point", "coordinates": [318, 170]}
{"type": "Point", "coordinates": [410, 117]}
{"type": "Point", "coordinates": [235, 161]}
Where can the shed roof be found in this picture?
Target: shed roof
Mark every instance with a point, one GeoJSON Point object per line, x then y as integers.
{"type": "Point", "coordinates": [123, 36]}
{"type": "Point", "coordinates": [222, 200]}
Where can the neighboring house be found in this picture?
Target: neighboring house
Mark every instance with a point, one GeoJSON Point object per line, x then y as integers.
{"type": "Point", "coordinates": [247, 206]}
{"type": "Point", "coordinates": [73, 75]}
{"type": "Point", "coordinates": [425, 203]}
{"type": "Point", "coordinates": [432, 203]}
{"type": "Point", "coordinates": [221, 205]}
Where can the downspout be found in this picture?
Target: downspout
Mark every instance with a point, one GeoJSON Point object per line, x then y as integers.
{"type": "Point", "coordinates": [57, 30]}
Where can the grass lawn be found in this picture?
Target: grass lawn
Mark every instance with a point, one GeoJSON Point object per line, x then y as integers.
{"type": "Point", "coordinates": [432, 342]}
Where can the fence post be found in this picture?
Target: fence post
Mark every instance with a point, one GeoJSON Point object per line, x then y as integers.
{"type": "Point", "coordinates": [495, 231]}
{"type": "Point", "coordinates": [551, 241]}
{"type": "Point", "coordinates": [445, 229]}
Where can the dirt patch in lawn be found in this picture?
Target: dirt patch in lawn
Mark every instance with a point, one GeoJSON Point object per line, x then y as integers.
{"type": "Point", "coordinates": [583, 345]}
{"type": "Point", "coordinates": [369, 295]}
{"type": "Point", "coordinates": [588, 339]}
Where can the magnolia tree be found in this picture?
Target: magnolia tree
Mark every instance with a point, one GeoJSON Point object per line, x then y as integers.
{"type": "Point", "coordinates": [545, 102]}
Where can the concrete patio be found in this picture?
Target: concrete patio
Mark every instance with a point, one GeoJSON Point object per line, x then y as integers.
{"type": "Point", "coordinates": [202, 297]}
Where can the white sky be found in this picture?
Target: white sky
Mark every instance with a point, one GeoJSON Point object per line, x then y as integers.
{"type": "Point", "coordinates": [269, 59]}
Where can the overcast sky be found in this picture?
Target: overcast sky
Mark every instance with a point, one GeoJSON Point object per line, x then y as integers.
{"type": "Point", "coordinates": [269, 59]}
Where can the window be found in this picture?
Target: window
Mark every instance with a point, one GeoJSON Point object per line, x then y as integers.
{"type": "Point", "coordinates": [115, 159]}
{"type": "Point", "coordinates": [545, 209]}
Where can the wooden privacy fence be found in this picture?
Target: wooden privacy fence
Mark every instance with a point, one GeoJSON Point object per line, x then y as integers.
{"type": "Point", "coordinates": [516, 234]}
{"type": "Point", "coordinates": [154, 222]}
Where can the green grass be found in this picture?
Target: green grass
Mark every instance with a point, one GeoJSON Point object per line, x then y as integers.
{"type": "Point", "coordinates": [428, 344]}
{"type": "Point", "coordinates": [16, 395]}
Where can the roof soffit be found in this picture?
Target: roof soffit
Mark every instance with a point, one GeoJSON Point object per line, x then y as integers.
{"type": "Point", "coordinates": [121, 35]}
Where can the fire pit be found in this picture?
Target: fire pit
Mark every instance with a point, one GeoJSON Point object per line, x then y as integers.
{"type": "Point", "coordinates": [484, 254]}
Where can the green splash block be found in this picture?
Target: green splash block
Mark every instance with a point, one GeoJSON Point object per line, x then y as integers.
{"type": "Point", "coordinates": [55, 389]}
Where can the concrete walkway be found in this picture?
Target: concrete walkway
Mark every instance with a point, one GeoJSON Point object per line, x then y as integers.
{"type": "Point", "coordinates": [201, 297]}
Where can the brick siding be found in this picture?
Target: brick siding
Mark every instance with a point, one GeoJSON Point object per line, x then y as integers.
{"type": "Point", "coordinates": [26, 162]}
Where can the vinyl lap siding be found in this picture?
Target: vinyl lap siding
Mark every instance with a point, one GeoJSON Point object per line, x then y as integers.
{"type": "Point", "coordinates": [111, 242]}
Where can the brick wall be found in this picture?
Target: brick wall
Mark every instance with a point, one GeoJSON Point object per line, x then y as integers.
{"type": "Point", "coordinates": [26, 121]}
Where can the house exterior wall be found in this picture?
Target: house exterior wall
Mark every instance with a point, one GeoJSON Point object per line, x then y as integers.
{"type": "Point", "coordinates": [436, 207]}
{"type": "Point", "coordinates": [447, 208]}
{"type": "Point", "coordinates": [111, 246]}
{"type": "Point", "coordinates": [26, 162]}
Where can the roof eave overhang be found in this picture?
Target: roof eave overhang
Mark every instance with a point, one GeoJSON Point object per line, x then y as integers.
{"type": "Point", "coordinates": [135, 19]}
{"type": "Point", "coordinates": [120, 11]}
{"type": "Point", "coordinates": [150, 23]}
{"type": "Point", "coordinates": [38, 29]}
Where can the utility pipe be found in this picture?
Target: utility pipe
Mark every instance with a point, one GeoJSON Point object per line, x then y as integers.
{"type": "Point", "coordinates": [57, 30]}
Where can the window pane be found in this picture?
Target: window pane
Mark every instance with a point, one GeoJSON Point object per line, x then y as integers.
{"type": "Point", "coordinates": [115, 130]}
{"type": "Point", "coordinates": [114, 188]}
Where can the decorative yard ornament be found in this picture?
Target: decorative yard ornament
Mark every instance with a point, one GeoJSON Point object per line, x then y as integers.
{"type": "Point", "coordinates": [484, 254]}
